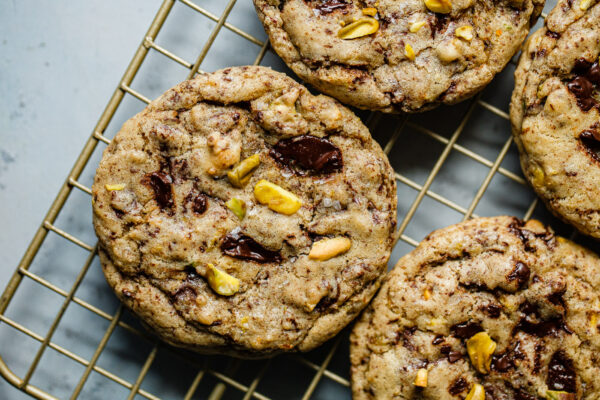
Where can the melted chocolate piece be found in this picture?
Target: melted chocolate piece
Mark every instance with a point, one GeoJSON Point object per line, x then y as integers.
{"type": "Point", "coordinates": [458, 386]}
{"type": "Point", "coordinates": [329, 6]}
{"type": "Point", "coordinates": [556, 298]}
{"type": "Point", "coordinates": [161, 185]}
{"type": "Point", "coordinates": [308, 154]}
{"type": "Point", "coordinates": [465, 330]}
{"type": "Point", "coordinates": [439, 24]}
{"type": "Point", "coordinates": [493, 310]}
{"type": "Point", "coordinates": [505, 361]}
{"type": "Point", "coordinates": [437, 340]}
{"type": "Point", "coordinates": [240, 246]}
{"type": "Point", "coordinates": [407, 336]}
{"type": "Point", "coordinates": [587, 75]}
{"type": "Point", "coordinates": [561, 375]}
{"type": "Point", "coordinates": [184, 293]}
{"type": "Point", "coordinates": [199, 201]}
{"type": "Point", "coordinates": [590, 139]}
{"type": "Point", "coordinates": [532, 325]}
{"type": "Point", "coordinates": [520, 273]}
{"type": "Point", "coordinates": [453, 356]}
{"type": "Point", "coordinates": [520, 395]}
{"type": "Point", "coordinates": [553, 35]}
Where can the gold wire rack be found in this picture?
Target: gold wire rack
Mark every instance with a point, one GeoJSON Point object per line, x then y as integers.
{"type": "Point", "coordinates": [223, 381]}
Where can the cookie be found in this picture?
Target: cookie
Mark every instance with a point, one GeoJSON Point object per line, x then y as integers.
{"type": "Point", "coordinates": [390, 55]}
{"type": "Point", "coordinates": [555, 113]}
{"type": "Point", "coordinates": [492, 308]}
{"type": "Point", "coordinates": [240, 214]}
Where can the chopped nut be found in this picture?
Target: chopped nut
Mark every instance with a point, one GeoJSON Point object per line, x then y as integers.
{"type": "Point", "coordinates": [221, 282]}
{"type": "Point", "coordinates": [427, 294]}
{"type": "Point", "coordinates": [421, 379]}
{"type": "Point", "coordinates": [447, 51]}
{"type": "Point", "coordinates": [465, 32]}
{"type": "Point", "coordinates": [409, 52]}
{"type": "Point", "coordinates": [240, 175]}
{"type": "Point", "coordinates": [559, 395]}
{"type": "Point", "coordinates": [237, 206]}
{"type": "Point", "coordinates": [480, 348]}
{"type": "Point", "coordinates": [585, 4]}
{"type": "Point", "coordinates": [594, 321]}
{"type": "Point", "coordinates": [535, 226]}
{"type": "Point", "coordinates": [439, 6]}
{"type": "Point", "coordinates": [476, 393]}
{"type": "Point", "coordinates": [416, 26]}
{"type": "Point", "coordinates": [329, 248]}
{"type": "Point", "coordinates": [118, 186]}
{"type": "Point", "coordinates": [244, 323]}
{"type": "Point", "coordinates": [276, 198]}
{"type": "Point", "coordinates": [370, 11]}
{"type": "Point", "coordinates": [435, 322]}
{"type": "Point", "coordinates": [538, 176]}
{"type": "Point", "coordinates": [359, 28]}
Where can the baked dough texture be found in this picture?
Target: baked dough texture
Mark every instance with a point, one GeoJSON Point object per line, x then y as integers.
{"type": "Point", "coordinates": [415, 60]}
{"type": "Point", "coordinates": [536, 295]}
{"type": "Point", "coordinates": [217, 281]}
{"type": "Point", "coordinates": [555, 113]}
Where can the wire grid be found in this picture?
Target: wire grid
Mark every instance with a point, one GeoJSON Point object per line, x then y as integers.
{"type": "Point", "coordinates": [224, 380]}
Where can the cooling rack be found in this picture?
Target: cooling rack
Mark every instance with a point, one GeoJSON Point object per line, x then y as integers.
{"type": "Point", "coordinates": [64, 335]}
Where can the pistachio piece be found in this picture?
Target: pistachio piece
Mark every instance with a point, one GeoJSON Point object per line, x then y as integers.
{"type": "Point", "coordinates": [329, 248]}
{"type": "Point", "coordinates": [421, 379]}
{"type": "Point", "coordinates": [559, 395]}
{"type": "Point", "coordinates": [362, 27]}
{"type": "Point", "coordinates": [221, 282]}
{"type": "Point", "coordinates": [409, 52]}
{"type": "Point", "coordinates": [480, 348]}
{"type": "Point", "coordinates": [416, 26]}
{"type": "Point", "coordinates": [439, 6]}
{"type": "Point", "coordinates": [240, 175]}
{"type": "Point", "coordinates": [118, 186]}
{"type": "Point", "coordinates": [370, 11]}
{"type": "Point", "coordinates": [447, 51]}
{"type": "Point", "coordinates": [585, 4]}
{"type": "Point", "coordinates": [477, 392]}
{"type": "Point", "coordinates": [276, 198]}
{"type": "Point", "coordinates": [426, 294]}
{"type": "Point", "coordinates": [538, 176]}
{"type": "Point", "coordinates": [465, 32]}
{"type": "Point", "coordinates": [593, 321]}
{"type": "Point", "coordinates": [237, 206]}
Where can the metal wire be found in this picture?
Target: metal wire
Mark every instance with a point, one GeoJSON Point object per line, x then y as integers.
{"type": "Point", "coordinates": [225, 380]}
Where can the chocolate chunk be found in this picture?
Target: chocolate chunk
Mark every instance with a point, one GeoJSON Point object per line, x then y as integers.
{"type": "Point", "coordinates": [520, 273]}
{"type": "Point", "coordinates": [329, 6]}
{"type": "Point", "coordinates": [553, 35]}
{"type": "Point", "coordinates": [184, 293]}
{"type": "Point", "coordinates": [458, 386]}
{"type": "Point", "coordinates": [549, 327]}
{"type": "Point", "coordinates": [240, 246]}
{"type": "Point", "coordinates": [593, 74]}
{"type": "Point", "coordinates": [308, 154]}
{"type": "Point", "coordinates": [197, 200]}
{"type": "Point", "coordinates": [465, 330]}
{"type": "Point", "coordinates": [556, 298]}
{"type": "Point", "coordinates": [505, 361]}
{"type": "Point", "coordinates": [561, 375]}
{"type": "Point", "coordinates": [521, 395]}
{"type": "Point", "coordinates": [407, 336]}
{"type": "Point", "coordinates": [453, 356]}
{"type": "Point", "coordinates": [582, 89]}
{"type": "Point", "coordinates": [161, 185]}
{"type": "Point", "coordinates": [438, 24]}
{"type": "Point", "coordinates": [493, 310]}
{"type": "Point", "coordinates": [437, 340]}
{"type": "Point", "coordinates": [590, 140]}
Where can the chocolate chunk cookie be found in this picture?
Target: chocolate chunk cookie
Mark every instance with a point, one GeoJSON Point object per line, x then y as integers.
{"type": "Point", "coordinates": [390, 55]}
{"type": "Point", "coordinates": [240, 214]}
{"type": "Point", "coordinates": [555, 113]}
{"type": "Point", "coordinates": [489, 309]}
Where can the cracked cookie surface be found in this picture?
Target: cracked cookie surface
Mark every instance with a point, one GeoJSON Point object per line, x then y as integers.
{"type": "Point", "coordinates": [555, 113]}
{"type": "Point", "coordinates": [494, 302]}
{"type": "Point", "coordinates": [208, 205]}
{"type": "Point", "coordinates": [391, 55]}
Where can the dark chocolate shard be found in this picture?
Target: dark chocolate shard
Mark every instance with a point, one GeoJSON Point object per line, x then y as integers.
{"type": "Point", "coordinates": [238, 245]}
{"type": "Point", "coordinates": [307, 154]}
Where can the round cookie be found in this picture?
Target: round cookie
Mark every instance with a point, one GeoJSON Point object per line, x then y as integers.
{"type": "Point", "coordinates": [495, 307]}
{"type": "Point", "coordinates": [390, 55]}
{"type": "Point", "coordinates": [555, 113]}
{"type": "Point", "coordinates": [240, 214]}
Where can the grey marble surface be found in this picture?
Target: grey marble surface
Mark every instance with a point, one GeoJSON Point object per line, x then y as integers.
{"type": "Point", "coordinates": [61, 61]}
